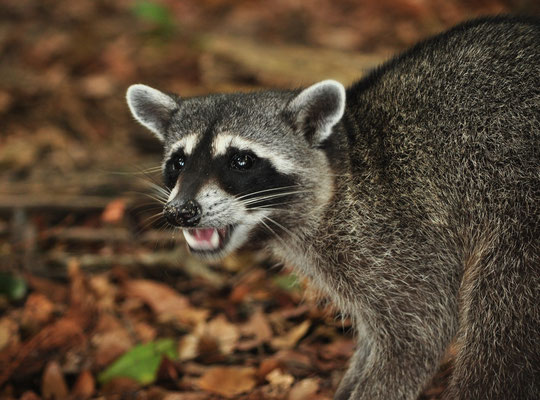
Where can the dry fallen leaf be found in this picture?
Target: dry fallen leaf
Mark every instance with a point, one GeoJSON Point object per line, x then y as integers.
{"type": "Point", "coordinates": [53, 384]}
{"type": "Point", "coordinates": [5, 101]}
{"type": "Point", "coordinates": [165, 302]}
{"type": "Point", "coordinates": [145, 332]}
{"type": "Point", "coordinates": [82, 299]}
{"type": "Point", "coordinates": [225, 333]}
{"type": "Point", "coordinates": [289, 340]}
{"type": "Point", "coordinates": [216, 336]}
{"type": "Point", "coordinates": [185, 396]}
{"type": "Point", "coordinates": [97, 86]}
{"type": "Point", "coordinates": [304, 390]}
{"type": "Point", "coordinates": [114, 212]}
{"type": "Point", "coordinates": [188, 347]}
{"type": "Point", "coordinates": [105, 291]}
{"type": "Point", "coordinates": [111, 340]}
{"type": "Point", "coordinates": [228, 381]}
{"type": "Point", "coordinates": [268, 365]}
{"type": "Point", "coordinates": [48, 46]}
{"type": "Point", "coordinates": [57, 337]}
{"type": "Point", "coordinates": [38, 310]}
{"type": "Point", "coordinates": [294, 312]}
{"type": "Point", "coordinates": [257, 327]}
{"type": "Point", "coordinates": [295, 361]}
{"type": "Point", "coordinates": [58, 293]}
{"type": "Point", "coordinates": [340, 348]}
{"type": "Point", "coordinates": [119, 386]}
{"type": "Point", "coordinates": [9, 333]}
{"type": "Point", "coordinates": [29, 395]}
{"type": "Point", "coordinates": [167, 371]}
{"type": "Point", "coordinates": [239, 293]}
{"type": "Point", "coordinates": [281, 379]}
{"type": "Point", "coordinates": [84, 387]}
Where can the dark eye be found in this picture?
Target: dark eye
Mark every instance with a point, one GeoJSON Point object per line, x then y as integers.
{"type": "Point", "coordinates": [242, 161]}
{"type": "Point", "coordinates": [178, 162]}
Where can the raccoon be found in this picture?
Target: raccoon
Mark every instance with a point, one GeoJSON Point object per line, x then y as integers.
{"type": "Point", "coordinates": [412, 198]}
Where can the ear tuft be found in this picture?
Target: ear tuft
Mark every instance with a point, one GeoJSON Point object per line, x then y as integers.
{"type": "Point", "coordinates": [151, 108]}
{"type": "Point", "coordinates": [317, 109]}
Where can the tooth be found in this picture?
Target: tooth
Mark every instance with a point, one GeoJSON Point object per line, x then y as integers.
{"type": "Point", "coordinates": [214, 240]}
{"type": "Point", "coordinates": [191, 241]}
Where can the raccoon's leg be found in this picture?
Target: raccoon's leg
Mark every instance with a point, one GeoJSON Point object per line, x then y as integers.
{"type": "Point", "coordinates": [403, 348]}
{"type": "Point", "coordinates": [499, 338]}
{"type": "Point", "coordinates": [353, 374]}
{"type": "Point", "coordinates": [399, 374]}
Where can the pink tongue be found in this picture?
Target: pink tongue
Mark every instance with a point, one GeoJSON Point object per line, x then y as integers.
{"type": "Point", "coordinates": [204, 234]}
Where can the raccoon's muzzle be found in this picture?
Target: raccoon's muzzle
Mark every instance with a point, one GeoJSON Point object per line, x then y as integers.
{"type": "Point", "coordinates": [187, 215]}
{"type": "Point", "coordinates": [199, 239]}
{"type": "Point", "coordinates": [207, 240]}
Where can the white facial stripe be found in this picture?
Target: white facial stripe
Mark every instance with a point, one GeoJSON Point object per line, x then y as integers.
{"type": "Point", "coordinates": [174, 192]}
{"type": "Point", "coordinates": [221, 143]}
{"type": "Point", "coordinates": [224, 141]}
{"type": "Point", "coordinates": [190, 143]}
{"type": "Point", "coordinates": [187, 143]}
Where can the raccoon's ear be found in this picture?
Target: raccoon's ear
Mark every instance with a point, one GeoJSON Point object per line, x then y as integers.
{"type": "Point", "coordinates": [151, 108]}
{"type": "Point", "coordinates": [317, 109]}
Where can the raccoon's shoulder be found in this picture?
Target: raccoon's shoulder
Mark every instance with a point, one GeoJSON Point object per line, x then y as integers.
{"type": "Point", "coordinates": [450, 86]}
{"type": "Point", "coordinates": [509, 39]}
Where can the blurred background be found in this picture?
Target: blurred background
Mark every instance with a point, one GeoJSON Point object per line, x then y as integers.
{"type": "Point", "coordinates": [88, 271]}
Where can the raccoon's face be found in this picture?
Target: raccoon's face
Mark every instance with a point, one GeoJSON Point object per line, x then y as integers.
{"type": "Point", "coordinates": [242, 169]}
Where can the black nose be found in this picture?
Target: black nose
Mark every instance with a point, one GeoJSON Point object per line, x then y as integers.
{"type": "Point", "coordinates": [188, 214]}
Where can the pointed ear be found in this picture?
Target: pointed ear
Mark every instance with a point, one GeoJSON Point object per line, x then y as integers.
{"type": "Point", "coordinates": [317, 109]}
{"type": "Point", "coordinates": [151, 108]}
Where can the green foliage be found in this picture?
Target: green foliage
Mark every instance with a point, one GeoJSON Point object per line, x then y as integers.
{"type": "Point", "coordinates": [289, 283]}
{"type": "Point", "coordinates": [156, 14]}
{"type": "Point", "coordinates": [141, 363]}
{"type": "Point", "coordinates": [12, 287]}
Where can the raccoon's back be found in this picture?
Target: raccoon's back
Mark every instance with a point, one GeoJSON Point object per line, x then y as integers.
{"type": "Point", "coordinates": [455, 121]}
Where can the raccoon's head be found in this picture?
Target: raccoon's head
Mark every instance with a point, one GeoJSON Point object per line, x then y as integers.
{"type": "Point", "coordinates": [243, 169]}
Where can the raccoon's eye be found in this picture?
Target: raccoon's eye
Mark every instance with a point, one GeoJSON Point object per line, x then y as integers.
{"type": "Point", "coordinates": [178, 162]}
{"type": "Point", "coordinates": [242, 161]}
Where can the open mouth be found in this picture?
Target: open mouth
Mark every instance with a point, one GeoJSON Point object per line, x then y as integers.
{"type": "Point", "coordinates": [207, 239]}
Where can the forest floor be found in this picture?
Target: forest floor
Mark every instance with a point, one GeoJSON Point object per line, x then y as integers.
{"type": "Point", "coordinates": [97, 297]}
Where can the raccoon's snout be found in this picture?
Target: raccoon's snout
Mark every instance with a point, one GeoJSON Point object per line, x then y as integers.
{"type": "Point", "coordinates": [187, 215]}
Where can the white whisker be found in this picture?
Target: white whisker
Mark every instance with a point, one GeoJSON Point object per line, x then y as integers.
{"type": "Point", "coordinates": [272, 196]}
{"type": "Point", "coordinates": [156, 198]}
{"type": "Point", "coordinates": [292, 234]}
{"type": "Point", "coordinates": [266, 190]}
{"type": "Point", "coordinates": [160, 189]}
{"type": "Point", "coordinates": [273, 232]}
{"type": "Point", "coordinates": [273, 208]}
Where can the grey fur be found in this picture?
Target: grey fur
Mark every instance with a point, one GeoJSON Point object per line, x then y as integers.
{"type": "Point", "coordinates": [421, 211]}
